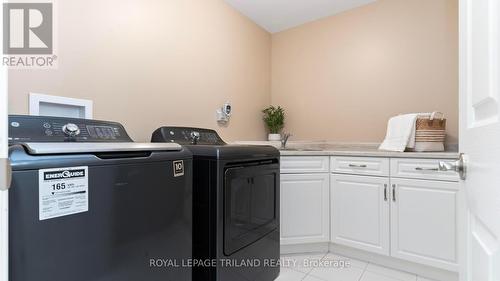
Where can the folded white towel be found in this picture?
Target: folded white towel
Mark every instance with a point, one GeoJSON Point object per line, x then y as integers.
{"type": "Point", "coordinates": [400, 133]}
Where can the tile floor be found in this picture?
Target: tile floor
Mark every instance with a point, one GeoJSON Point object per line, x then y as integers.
{"type": "Point", "coordinates": [329, 267]}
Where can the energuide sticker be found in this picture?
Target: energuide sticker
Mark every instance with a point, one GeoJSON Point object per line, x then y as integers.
{"type": "Point", "coordinates": [178, 168]}
{"type": "Point", "coordinates": [63, 192]}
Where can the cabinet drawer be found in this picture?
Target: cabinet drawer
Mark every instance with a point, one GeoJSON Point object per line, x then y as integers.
{"type": "Point", "coordinates": [421, 169]}
{"type": "Point", "coordinates": [304, 164]}
{"type": "Point", "coordinates": [360, 166]}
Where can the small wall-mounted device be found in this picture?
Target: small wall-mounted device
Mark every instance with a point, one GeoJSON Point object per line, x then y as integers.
{"type": "Point", "coordinates": [224, 113]}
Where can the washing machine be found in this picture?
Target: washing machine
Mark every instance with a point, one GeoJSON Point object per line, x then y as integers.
{"type": "Point", "coordinates": [235, 208]}
{"type": "Point", "coordinates": [88, 204]}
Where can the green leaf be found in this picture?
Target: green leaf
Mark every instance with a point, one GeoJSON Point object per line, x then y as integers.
{"type": "Point", "coordinates": [274, 118]}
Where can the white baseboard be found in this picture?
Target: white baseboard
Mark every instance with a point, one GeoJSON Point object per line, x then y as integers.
{"type": "Point", "coordinates": [390, 262]}
{"type": "Point", "coordinates": [305, 248]}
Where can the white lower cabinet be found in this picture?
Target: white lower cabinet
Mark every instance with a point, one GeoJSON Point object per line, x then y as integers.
{"type": "Point", "coordinates": [360, 212]}
{"type": "Point", "coordinates": [409, 211]}
{"type": "Point", "coordinates": [305, 208]}
{"type": "Point", "coordinates": [424, 222]}
{"type": "Point", "coordinates": [411, 219]}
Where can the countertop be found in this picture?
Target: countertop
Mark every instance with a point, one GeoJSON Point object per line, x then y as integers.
{"type": "Point", "coordinates": [303, 148]}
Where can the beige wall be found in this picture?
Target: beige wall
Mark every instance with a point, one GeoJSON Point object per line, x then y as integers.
{"type": "Point", "coordinates": [342, 77]}
{"type": "Point", "coordinates": [153, 62]}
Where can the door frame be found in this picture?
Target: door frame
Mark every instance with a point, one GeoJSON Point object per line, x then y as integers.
{"type": "Point", "coordinates": [4, 196]}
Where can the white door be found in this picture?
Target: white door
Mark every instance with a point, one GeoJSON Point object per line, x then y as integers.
{"type": "Point", "coordinates": [305, 209]}
{"type": "Point", "coordinates": [480, 135]}
{"type": "Point", "coordinates": [3, 168]}
{"type": "Point", "coordinates": [360, 212]}
{"type": "Point", "coordinates": [428, 235]}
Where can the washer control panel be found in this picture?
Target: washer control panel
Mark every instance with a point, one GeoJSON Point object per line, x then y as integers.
{"type": "Point", "coordinates": [187, 136]}
{"type": "Point", "coordinates": [58, 129]}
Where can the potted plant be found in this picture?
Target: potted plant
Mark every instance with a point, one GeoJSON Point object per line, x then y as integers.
{"type": "Point", "coordinates": [274, 117]}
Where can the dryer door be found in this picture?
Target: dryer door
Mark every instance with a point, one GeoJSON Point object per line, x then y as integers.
{"type": "Point", "coordinates": [251, 204]}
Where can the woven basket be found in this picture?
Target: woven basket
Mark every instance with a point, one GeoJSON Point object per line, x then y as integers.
{"type": "Point", "coordinates": [430, 133]}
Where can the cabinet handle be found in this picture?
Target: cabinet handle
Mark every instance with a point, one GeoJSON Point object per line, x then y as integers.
{"type": "Point", "coordinates": [357, 166]}
{"type": "Point", "coordinates": [385, 192]}
{"type": "Point", "coordinates": [427, 169]}
{"type": "Point", "coordinates": [393, 193]}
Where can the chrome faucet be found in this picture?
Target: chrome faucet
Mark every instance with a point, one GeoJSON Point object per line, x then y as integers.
{"type": "Point", "coordinates": [284, 139]}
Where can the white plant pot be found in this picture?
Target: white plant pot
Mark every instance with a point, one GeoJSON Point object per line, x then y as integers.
{"type": "Point", "coordinates": [274, 137]}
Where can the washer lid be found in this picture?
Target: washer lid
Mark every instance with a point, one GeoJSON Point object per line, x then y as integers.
{"type": "Point", "coordinates": [70, 148]}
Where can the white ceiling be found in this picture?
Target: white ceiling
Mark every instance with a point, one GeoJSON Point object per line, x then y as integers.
{"type": "Point", "coordinates": [278, 15]}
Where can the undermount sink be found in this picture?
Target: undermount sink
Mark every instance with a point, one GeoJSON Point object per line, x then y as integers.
{"type": "Point", "coordinates": [300, 149]}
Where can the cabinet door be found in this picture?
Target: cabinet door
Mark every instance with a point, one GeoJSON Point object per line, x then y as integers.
{"type": "Point", "coordinates": [360, 212]}
{"type": "Point", "coordinates": [305, 212]}
{"type": "Point", "coordinates": [424, 222]}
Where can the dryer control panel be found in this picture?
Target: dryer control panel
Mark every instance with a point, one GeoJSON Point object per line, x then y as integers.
{"type": "Point", "coordinates": [187, 136]}
{"type": "Point", "coordinates": [24, 128]}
